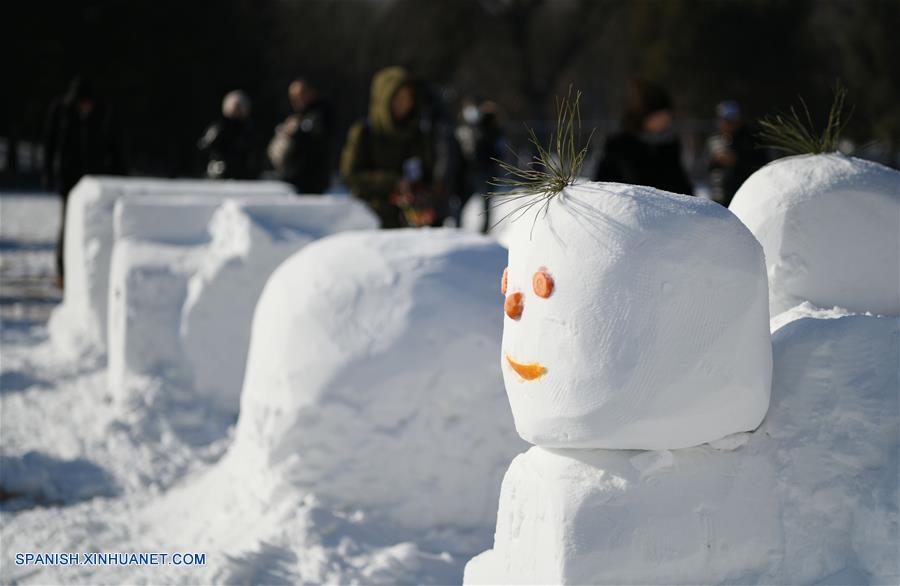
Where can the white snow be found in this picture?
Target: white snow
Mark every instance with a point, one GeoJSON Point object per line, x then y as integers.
{"type": "Point", "coordinates": [27, 264]}
{"type": "Point", "coordinates": [79, 325]}
{"type": "Point", "coordinates": [373, 368]}
{"type": "Point", "coordinates": [248, 240]}
{"type": "Point", "coordinates": [810, 497]}
{"type": "Point", "coordinates": [162, 218]}
{"type": "Point", "coordinates": [183, 291]}
{"type": "Point", "coordinates": [374, 430]}
{"type": "Point", "coordinates": [372, 379]}
{"type": "Point", "coordinates": [691, 516]}
{"type": "Point", "coordinates": [655, 335]}
{"type": "Point", "coordinates": [829, 228]}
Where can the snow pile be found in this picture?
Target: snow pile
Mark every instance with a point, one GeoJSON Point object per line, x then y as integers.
{"type": "Point", "coordinates": [828, 224]}
{"type": "Point", "coordinates": [654, 331]}
{"type": "Point", "coordinates": [80, 322]}
{"type": "Point", "coordinates": [810, 497]}
{"type": "Point", "coordinates": [185, 276]}
{"type": "Point", "coordinates": [372, 379]}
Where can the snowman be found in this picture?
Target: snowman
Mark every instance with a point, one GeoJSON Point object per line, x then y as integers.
{"type": "Point", "coordinates": [637, 359]}
{"type": "Point", "coordinates": [635, 319]}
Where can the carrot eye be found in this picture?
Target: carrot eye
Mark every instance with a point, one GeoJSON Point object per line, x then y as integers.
{"type": "Point", "coordinates": [503, 280]}
{"type": "Point", "coordinates": [513, 305]}
{"type": "Point", "coordinates": [542, 283]}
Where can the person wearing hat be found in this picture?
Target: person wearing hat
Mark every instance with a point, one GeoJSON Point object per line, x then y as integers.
{"type": "Point", "coordinates": [646, 151]}
{"type": "Point", "coordinates": [387, 160]}
{"type": "Point", "coordinates": [733, 155]}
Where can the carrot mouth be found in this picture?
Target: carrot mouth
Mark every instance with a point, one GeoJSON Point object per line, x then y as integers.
{"type": "Point", "coordinates": [530, 371]}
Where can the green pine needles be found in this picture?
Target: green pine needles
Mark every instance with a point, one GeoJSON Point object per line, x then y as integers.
{"type": "Point", "coordinates": [551, 170]}
{"type": "Point", "coordinates": [796, 134]}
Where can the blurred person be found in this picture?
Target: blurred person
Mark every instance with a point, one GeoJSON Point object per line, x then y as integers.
{"type": "Point", "coordinates": [300, 151]}
{"type": "Point", "coordinates": [387, 160]}
{"type": "Point", "coordinates": [733, 155]}
{"type": "Point", "coordinates": [448, 169]}
{"type": "Point", "coordinates": [646, 151]}
{"type": "Point", "coordinates": [229, 143]}
{"type": "Point", "coordinates": [483, 143]}
{"type": "Point", "coordinates": [81, 138]}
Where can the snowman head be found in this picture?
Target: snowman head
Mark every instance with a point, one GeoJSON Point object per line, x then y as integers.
{"type": "Point", "coordinates": [634, 319]}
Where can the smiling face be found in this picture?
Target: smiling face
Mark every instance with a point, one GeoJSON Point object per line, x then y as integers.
{"type": "Point", "coordinates": [615, 302]}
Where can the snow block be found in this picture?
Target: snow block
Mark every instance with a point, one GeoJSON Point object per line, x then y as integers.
{"type": "Point", "coordinates": [81, 320]}
{"type": "Point", "coordinates": [180, 220]}
{"type": "Point", "coordinates": [695, 516]}
{"type": "Point", "coordinates": [148, 288]}
{"type": "Point", "coordinates": [832, 432]}
{"type": "Point", "coordinates": [248, 240]}
{"type": "Point", "coordinates": [828, 225]}
{"type": "Point", "coordinates": [372, 379]}
{"type": "Point", "coordinates": [186, 275]}
{"type": "Point", "coordinates": [641, 321]}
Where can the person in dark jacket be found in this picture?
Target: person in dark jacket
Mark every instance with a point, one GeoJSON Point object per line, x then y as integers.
{"type": "Point", "coordinates": [81, 138]}
{"type": "Point", "coordinates": [300, 150]}
{"type": "Point", "coordinates": [483, 143]}
{"type": "Point", "coordinates": [646, 151]}
{"type": "Point", "coordinates": [733, 155]}
{"type": "Point", "coordinates": [229, 143]}
{"type": "Point", "coordinates": [387, 160]}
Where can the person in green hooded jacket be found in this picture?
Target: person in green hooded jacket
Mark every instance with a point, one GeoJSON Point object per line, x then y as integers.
{"type": "Point", "coordinates": [387, 154]}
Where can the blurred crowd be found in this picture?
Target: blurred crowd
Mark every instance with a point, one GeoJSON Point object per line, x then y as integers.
{"type": "Point", "coordinates": [411, 158]}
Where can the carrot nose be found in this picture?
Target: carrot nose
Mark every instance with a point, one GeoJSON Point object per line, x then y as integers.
{"type": "Point", "coordinates": [514, 305]}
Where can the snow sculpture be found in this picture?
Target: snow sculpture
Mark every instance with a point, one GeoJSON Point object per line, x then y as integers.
{"type": "Point", "coordinates": [372, 379]}
{"type": "Point", "coordinates": [248, 240]}
{"type": "Point", "coordinates": [828, 225]}
{"type": "Point", "coordinates": [635, 319]}
{"type": "Point", "coordinates": [81, 320]}
{"type": "Point", "coordinates": [186, 275]}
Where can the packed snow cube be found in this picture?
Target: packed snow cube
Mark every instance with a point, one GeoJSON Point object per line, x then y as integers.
{"type": "Point", "coordinates": [829, 228]}
{"type": "Point", "coordinates": [80, 322]}
{"type": "Point", "coordinates": [694, 516]}
{"type": "Point", "coordinates": [635, 319]}
{"type": "Point", "coordinates": [372, 378]}
{"type": "Point", "coordinates": [186, 274]}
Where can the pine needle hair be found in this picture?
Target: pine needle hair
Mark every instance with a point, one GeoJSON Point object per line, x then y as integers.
{"type": "Point", "coordinates": [795, 133]}
{"type": "Point", "coordinates": [551, 169]}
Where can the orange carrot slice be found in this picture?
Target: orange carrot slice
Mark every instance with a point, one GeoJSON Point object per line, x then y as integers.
{"type": "Point", "coordinates": [527, 371]}
{"type": "Point", "coordinates": [513, 306]}
{"type": "Point", "coordinates": [503, 280]}
{"type": "Point", "coordinates": [542, 283]}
